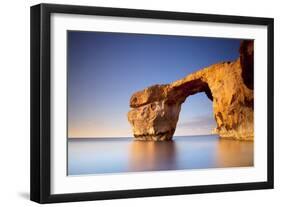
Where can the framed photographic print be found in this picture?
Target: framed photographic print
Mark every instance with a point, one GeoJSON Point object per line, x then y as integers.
{"type": "Point", "coordinates": [132, 103]}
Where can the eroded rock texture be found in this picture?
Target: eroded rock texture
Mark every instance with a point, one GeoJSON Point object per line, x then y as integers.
{"type": "Point", "coordinates": [155, 110]}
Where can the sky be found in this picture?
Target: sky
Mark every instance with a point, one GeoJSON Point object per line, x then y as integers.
{"type": "Point", "coordinates": [104, 69]}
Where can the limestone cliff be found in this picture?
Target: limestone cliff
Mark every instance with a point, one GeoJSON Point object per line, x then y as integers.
{"type": "Point", "coordinates": [155, 110]}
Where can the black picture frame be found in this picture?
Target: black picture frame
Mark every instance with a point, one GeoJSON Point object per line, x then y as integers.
{"type": "Point", "coordinates": [41, 98]}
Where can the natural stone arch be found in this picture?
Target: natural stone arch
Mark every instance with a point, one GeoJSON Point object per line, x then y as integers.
{"type": "Point", "coordinates": [155, 110]}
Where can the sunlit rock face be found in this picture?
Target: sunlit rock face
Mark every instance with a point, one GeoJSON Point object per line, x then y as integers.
{"type": "Point", "coordinates": [155, 110]}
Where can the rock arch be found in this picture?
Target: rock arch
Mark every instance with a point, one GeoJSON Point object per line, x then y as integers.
{"type": "Point", "coordinates": [155, 110]}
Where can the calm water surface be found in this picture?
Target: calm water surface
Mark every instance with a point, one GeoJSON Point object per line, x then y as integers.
{"type": "Point", "coordinates": [114, 155]}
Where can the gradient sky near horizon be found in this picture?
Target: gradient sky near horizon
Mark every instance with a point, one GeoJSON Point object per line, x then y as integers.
{"type": "Point", "coordinates": [105, 69]}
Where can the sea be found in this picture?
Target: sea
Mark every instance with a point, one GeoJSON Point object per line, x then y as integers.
{"type": "Point", "coordinates": [88, 156]}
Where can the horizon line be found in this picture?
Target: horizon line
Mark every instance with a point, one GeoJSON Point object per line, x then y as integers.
{"type": "Point", "coordinates": [133, 137]}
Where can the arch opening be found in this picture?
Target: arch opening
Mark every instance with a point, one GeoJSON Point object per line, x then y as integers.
{"type": "Point", "coordinates": [196, 116]}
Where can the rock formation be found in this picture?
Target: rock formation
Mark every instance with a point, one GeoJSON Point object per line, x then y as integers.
{"type": "Point", "coordinates": [155, 110]}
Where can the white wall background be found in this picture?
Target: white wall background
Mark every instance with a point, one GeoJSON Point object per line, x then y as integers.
{"type": "Point", "coordinates": [14, 102]}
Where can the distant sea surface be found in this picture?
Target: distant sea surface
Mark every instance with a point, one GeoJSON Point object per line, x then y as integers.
{"type": "Point", "coordinates": [116, 155]}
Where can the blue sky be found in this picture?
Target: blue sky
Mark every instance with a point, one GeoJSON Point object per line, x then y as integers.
{"type": "Point", "coordinates": [105, 69]}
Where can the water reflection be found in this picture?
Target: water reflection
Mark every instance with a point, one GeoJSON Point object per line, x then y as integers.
{"type": "Point", "coordinates": [152, 156]}
{"type": "Point", "coordinates": [231, 153]}
{"type": "Point", "coordinates": [91, 156]}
